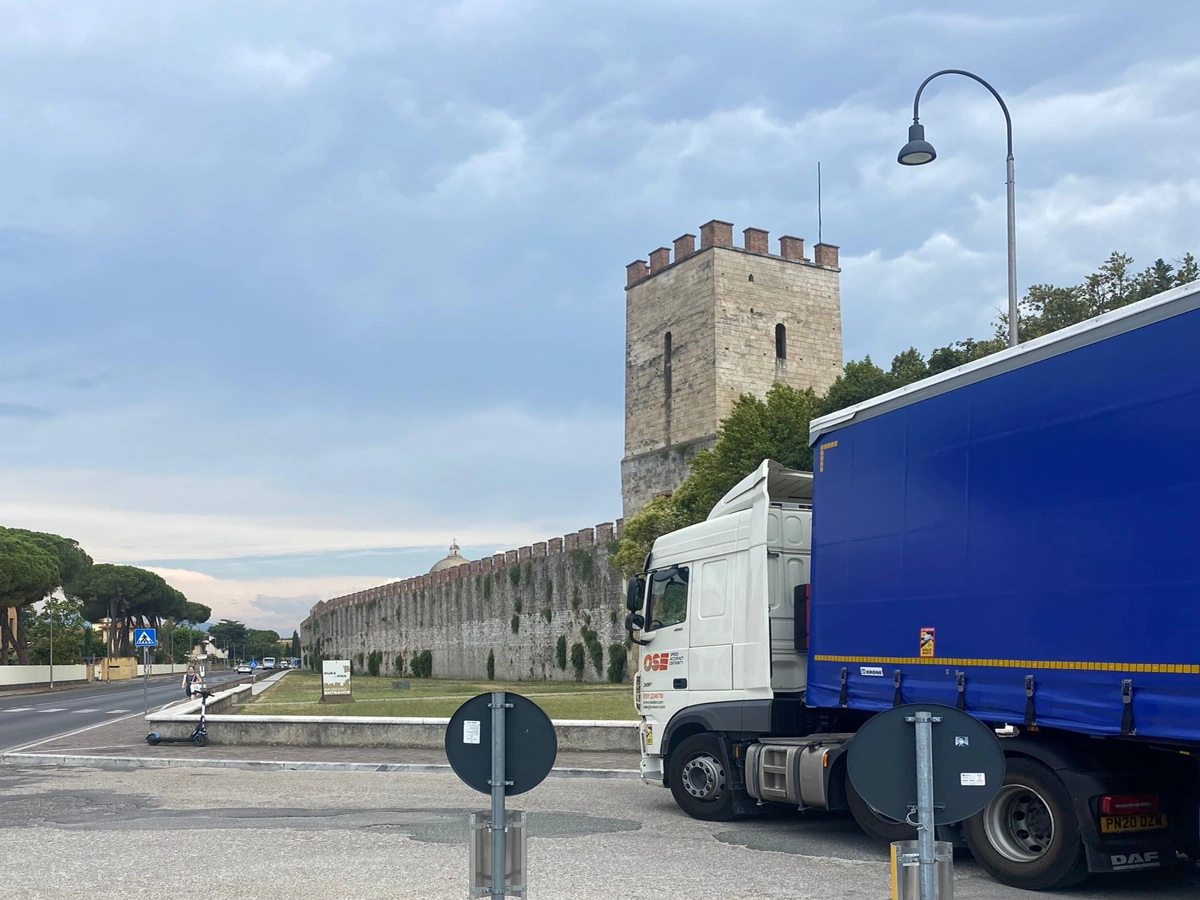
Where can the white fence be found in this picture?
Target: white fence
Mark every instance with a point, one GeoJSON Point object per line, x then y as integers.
{"type": "Point", "coordinates": [14, 676]}
{"type": "Point", "coordinates": [164, 669]}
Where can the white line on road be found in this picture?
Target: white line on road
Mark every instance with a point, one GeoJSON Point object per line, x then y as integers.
{"type": "Point", "coordinates": [68, 734]}
{"type": "Point", "coordinates": [53, 709]}
{"type": "Point", "coordinates": [18, 709]}
{"type": "Point", "coordinates": [113, 712]}
{"type": "Point", "coordinates": [77, 712]}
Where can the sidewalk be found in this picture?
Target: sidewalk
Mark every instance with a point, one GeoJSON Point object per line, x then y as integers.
{"type": "Point", "coordinates": [122, 745]}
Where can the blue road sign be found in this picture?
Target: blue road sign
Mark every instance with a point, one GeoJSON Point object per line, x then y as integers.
{"type": "Point", "coordinates": [145, 637]}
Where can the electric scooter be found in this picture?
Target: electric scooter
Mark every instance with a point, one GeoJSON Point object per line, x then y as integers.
{"type": "Point", "coordinates": [199, 737]}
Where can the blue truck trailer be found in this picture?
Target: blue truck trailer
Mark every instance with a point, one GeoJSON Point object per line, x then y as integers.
{"type": "Point", "coordinates": [1018, 538]}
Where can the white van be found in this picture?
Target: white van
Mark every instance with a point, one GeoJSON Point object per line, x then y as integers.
{"type": "Point", "coordinates": [268, 662]}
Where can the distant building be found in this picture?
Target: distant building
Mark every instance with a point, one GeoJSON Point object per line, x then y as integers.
{"type": "Point", "coordinates": [451, 560]}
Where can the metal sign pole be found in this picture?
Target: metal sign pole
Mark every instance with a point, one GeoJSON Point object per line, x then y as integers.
{"type": "Point", "coordinates": [925, 833]}
{"type": "Point", "coordinates": [498, 784]}
{"type": "Point", "coordinates": [146, 679]}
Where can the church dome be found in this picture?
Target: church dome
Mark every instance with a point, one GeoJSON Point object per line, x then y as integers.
{"type": "Point", "coordinates": [454, 559]}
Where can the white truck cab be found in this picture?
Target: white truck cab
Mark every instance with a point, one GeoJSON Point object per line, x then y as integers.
{"type": "Point", "coordinates": [713, 596]}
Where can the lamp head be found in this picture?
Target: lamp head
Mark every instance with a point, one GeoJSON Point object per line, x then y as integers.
{"type": "Point", "coordinates": [917, 151]}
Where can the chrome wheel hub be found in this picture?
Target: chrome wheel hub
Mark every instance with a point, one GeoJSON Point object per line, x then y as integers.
{"type": "Point", "coordinates": [1019, 824]}
{"type": "Point", "coordinates": [704, 778]}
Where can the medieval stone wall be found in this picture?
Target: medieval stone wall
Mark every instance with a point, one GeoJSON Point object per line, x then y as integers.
{"type": "Point", "coordinates": [516, 605]}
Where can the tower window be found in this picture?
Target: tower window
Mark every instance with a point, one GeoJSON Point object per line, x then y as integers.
{"type": "Point", "coordinates": [667, 365]}
{"type": "Point", "coordinates": [781, 341]}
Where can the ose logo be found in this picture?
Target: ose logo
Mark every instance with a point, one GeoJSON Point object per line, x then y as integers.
{"type": "Point", "coordinates": [655, 662]}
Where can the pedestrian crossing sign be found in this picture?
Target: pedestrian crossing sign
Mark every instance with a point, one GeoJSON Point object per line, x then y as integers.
{"type": "Point", "coordinates": [145, 637]}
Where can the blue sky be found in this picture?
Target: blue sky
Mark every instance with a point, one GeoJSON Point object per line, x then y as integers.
{"type": "Point", "coordinates": [292, 293]}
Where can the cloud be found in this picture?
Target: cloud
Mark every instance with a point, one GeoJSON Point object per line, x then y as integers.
{"type": "Point", "coordinates": [23, 411]}
{"type": "Point", "coordinates": [279, 604]}
{"type": "Point", "coordinates": [290, 68]}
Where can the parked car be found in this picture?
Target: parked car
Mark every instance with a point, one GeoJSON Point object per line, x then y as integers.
{"type": "Point", "coordinates": [244, 669]}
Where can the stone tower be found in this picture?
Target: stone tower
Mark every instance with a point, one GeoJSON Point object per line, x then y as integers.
{"type": "Point", "coordinates": [709, 326]}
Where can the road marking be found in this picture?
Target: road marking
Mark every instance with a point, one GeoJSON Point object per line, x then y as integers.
{"type": "Point", "coordinates": [78, 712]}
{"type": "Point", "coordinates": [53, 709]}
{"type": "Point", "coordinates": [18, 709]}
{"type": "Point", "coordinates": [113, 712]}
{"type": "Point", "coordinates": [68, 734]}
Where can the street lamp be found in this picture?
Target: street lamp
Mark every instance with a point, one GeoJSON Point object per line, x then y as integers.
{"type": "Point", "coordinates": [918, 152]}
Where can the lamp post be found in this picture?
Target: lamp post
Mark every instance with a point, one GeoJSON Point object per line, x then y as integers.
{"type": "Point", "coordinates": [918, 152]}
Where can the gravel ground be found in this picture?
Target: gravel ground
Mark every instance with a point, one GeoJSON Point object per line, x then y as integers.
{"type": "Point", "coordinates": [177, 834]}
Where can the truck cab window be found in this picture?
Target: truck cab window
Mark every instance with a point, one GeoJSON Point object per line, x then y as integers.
{"type": "Point", "coordinates": [668, 598]}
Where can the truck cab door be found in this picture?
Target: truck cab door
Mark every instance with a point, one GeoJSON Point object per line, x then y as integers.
{"type": "Point", "coordinates": [664, 662]}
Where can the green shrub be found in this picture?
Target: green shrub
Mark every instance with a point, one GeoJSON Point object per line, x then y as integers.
{"type": "Point", "coordinates": [515, 623]}
{"type": "Point", "coordinates": [560, 652]}
{"type": "Point", "coordinates": [577, 660]}
{"type": "Point", "coordinates": [422, 664]}
{"type": "Point", "coordinates": [549, 590]}
{"type": "Point", "coordinates": [547, 614]}
{"type": "Point", "coordinates": [518, 606]}
{"type": "Point", "coordinates": [595, 651]}
{"type": "Point", "coordinates": [581, 560]}
{"type": "Point", "coordinates": [617, 663]}
{"type": "Point", "coordinates": [399, 664]}
{"type": "Point", "coordinates": [491, 665]}
{"type": "Point", "coordinates": [359, 664]}
{"type": "Point", "coordinates": [575, 599]}
{"type": "Point", "coordinates": [514, 574]}
{"type": "Point", "coordinates": [487, 586]}
{"type": "Point", "coordinates": [528, 572]}
{"type": "Point", "coordinates": [374, 663]}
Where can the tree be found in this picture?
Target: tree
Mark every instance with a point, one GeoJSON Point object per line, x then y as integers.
{"type": "Point", "coordinates": [28, 572]}
{"type": "Point", "coordinates": [58, 625]}
{"type": "Point", "coordinates": [295, 645]}
{"type": "Point", "coordinates": [194, 613]}
{"type": "Point", "coordinates": [129, 596]}
{"type": "Point", "coordinates": [69, 560]}
{"type": "Point", "coordinates": [227, 633]}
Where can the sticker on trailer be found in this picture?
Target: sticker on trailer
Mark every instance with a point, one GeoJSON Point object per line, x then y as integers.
{"type": "Point", "coordinates": [871, 671]}
{"type": "Point", "coordinates": [649, 735]}
{"type": "Point", "coordinates": [972, 779]}
{"type": "Point", "coordinates": [927, 642]}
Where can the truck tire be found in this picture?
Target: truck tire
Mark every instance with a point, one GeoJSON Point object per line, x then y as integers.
{"type": "Point", "coordinates": [1027, 836]}
{"type": "Point", "coordinates": [699, 782]}
{"type": "Point", "coordinates": [876, 826]}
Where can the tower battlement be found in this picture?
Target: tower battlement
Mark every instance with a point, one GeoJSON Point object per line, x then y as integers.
{"type": "Point", "coordinates": [705, 326]}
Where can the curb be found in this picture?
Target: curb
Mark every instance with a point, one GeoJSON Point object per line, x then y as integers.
{"type": "Point", "coordinates": [162, 762]}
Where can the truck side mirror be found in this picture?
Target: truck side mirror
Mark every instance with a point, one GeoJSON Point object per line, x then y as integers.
{"type": "Point", "coordinates": [635, 593]}
{"type": "Point", "coordinates": [635, 622]}
{"type": "Point", "coordinates": [800, 598]}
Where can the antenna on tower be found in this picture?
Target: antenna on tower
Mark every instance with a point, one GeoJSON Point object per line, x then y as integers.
{"type": "Point", "coordinates": [819, 202]}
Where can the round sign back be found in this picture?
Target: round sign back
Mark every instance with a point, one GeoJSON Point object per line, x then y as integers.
{"type": "Point", "coordinates": [530, 744]}
{"type": "Point", "coordinates": [968, 763]}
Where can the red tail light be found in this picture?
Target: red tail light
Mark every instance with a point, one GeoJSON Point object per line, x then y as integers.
{"type": "Point", "coordinates": [1128, 804]}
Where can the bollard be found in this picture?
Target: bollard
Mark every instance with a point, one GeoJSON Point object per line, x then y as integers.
{"type": "Point", "coordinates": [906, 870]}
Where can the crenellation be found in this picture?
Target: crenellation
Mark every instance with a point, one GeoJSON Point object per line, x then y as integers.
{"type": "Point", "coordinates": [738, 321]}
{"type": "Point", "coordinates": [539, 549]}
{"type": "Point", "coordinates": [555, 546]}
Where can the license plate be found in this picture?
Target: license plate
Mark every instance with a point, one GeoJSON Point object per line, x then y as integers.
{"type": "Point", "coordinates": [1117, 824]}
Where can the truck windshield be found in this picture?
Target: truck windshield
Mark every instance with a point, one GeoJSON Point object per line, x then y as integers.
{"type": "Point", "coordinates": [668, 598]}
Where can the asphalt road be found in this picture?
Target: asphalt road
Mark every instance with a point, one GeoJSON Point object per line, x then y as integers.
{"type": "Point", "coordinates": [28, 718]}
{"type": "Point", "coordinates": [195, 834]}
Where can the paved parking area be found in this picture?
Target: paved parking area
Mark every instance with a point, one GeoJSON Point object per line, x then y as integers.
{"type": "Point", "coordinates": [183, 833]}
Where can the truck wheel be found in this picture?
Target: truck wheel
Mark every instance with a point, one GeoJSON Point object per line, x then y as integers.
{"type": "Point", "coordinates": [877, 826]}
{"type": "Point", "coordinates": [1027, 836]}
{"type": "Point", "coordinates": [696, 772]}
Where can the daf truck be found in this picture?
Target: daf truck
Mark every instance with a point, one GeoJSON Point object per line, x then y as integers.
{"type": "Point", "coordinates": [1017, 538]}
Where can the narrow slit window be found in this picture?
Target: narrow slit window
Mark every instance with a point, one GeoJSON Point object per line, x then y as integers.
{"type": "Point", "coordinates": [667, 365]}
{"type": "Point", "coordinates": [781, 341]}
